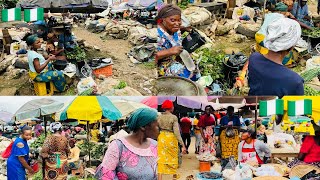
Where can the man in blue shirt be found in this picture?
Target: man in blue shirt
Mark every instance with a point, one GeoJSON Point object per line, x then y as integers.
{"type": "Point", "coordinates": [301, 12]}
{"type": "Point", "coordinates": [230, 118]}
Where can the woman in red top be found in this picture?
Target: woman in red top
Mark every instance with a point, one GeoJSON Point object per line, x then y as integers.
{"type": "Point", "coordinates": [206, 124]}
{"type": "Point", "coordinates": [310, 149]}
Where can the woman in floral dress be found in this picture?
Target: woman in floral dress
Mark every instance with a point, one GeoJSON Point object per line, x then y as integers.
{"type": "Point", "coordinates": [206, 124]}
{"type": "Point", "coordinates": [135, 156]}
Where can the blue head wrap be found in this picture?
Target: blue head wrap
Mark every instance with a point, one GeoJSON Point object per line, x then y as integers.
{"type": "Point", "coordinates": [31, 39]}
{"type": "Point", "coordinates": [142, 117]}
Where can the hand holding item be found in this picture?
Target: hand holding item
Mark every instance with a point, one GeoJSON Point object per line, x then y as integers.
{"type": "Point", "coordinates": [176, 50]}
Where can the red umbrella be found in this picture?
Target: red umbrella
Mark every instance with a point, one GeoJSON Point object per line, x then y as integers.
{"type": "Point", "coordinates": [151, 101]}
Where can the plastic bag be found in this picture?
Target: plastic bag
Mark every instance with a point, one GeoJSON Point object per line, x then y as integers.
{"type": "Point", "coordinates": [6, 153]}
{"type": "Point", "coordinates": [243, 172]}
{"type": "Point", "coordinates": [85, 84]}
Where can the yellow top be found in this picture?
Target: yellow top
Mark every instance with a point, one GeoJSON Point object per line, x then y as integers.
{"type": "Point", "coordinates": [75, 154]}
{"type": "Point", "coordinates": [195, 123]}
{"type": "Point", "coordinates": [95, 135]}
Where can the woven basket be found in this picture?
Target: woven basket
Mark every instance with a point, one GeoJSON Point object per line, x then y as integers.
{"type": "Point", "coordinates": [302, 169]}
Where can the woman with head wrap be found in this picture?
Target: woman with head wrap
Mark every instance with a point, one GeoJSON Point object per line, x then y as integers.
{"type": "Point", "coordinates": [169, 47]}
{"type": "Point", "coordinates": [17, 163]}
{"type": "Point", "coordinates": [310, 149]}
{"type": "Point", "coordinates": [134, 156]}
{"type": "Point", "coordinates": [168, 142]}
{"type": "Point", "coordinates": [95, 133]}
{"type": "Point", "coordinates": [55, 151]}
{"type": "Point", "coordinates": [267, 74]}
{"type": "Point", "coordinates": [40, 69]}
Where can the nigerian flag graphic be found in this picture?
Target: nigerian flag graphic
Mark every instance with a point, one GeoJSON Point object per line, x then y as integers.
{"type": "Point", "coordinates": [13, 14]}
{"type": "Point", "coordinates": [272, 107]}
{"type": "Point", "coordinates": [300, 107]}
{"type": "Point", "coordinates": [33, 14]}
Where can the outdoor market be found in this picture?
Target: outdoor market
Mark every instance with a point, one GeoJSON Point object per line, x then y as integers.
{"type": "Point", "coordinates": [200, 137]}
{"type": "Point", "coordinates": [130, 48]}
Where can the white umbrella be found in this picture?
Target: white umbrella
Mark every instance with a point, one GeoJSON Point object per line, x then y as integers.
{"type": "Point", "coordinates": [28, 121]}
{"type": "Point", "coordinates": [127, 107]}
{"type": "Point", "coordinates": [5, 117]}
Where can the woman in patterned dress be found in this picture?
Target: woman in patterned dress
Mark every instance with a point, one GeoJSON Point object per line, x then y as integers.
{"type": "Point", "coordinates": [40, 69]}
{"type": "Point", "coordinates": [206, 124]}
{"type": "Point", "coordinates": [169, 46]}
{"type": "Point", "coordinates": [55, 151]}
{"type": "Point", "coordinates": [135, 156]}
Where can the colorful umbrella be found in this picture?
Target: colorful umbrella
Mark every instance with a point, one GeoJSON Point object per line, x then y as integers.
{"type": "Point", "coordinates": [151, 101]}
{"type": "Point", "coordinates": [5, 117]}
{"type": "Point", "coordinates": [91, 109]}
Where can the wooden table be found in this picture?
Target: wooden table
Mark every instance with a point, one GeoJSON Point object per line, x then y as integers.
{"type": "Point", "coordinates": [283, 153]}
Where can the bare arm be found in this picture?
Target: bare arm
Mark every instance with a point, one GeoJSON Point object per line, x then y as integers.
{"type": "Point", "coordinates": [25, 164]}
{"type": "Point", "coordinates": [177, 132]}
{"type": "Point", "coordinates": [38, 67]}
{"type": "Point", "coordinates": [176, 50]}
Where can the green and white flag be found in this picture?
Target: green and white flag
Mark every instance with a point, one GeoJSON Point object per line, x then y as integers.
{"type": "Point", "coordinates": [272, 107]}
{"type": "Point", "coordinates": [301, 107]}
{"type": "Point", "coordinates": [13, 14]}
{"type": "Point", "coordinates": [33, 14]}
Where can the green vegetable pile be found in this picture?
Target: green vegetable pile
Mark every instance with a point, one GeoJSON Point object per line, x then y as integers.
{"type": "Point", "coordinates": [97, 151]}
{"type": "Point", "coordinates": [184, 4]}
{"type": "Point", "coordinates": [310, 74]}
{"type": "Point", "coordinates": [121, 85]}
{"type": "Point", "coordinates": [39, 141]}
{"type": "Point", "coordinates": [314, 32]}
{"type": "Point", "coordinates": [211, 63]}
{"type": "Point", "coordinates": [37, 176]}
{"type": "Point", "coordinates": [87, 92]}
{"type": "Point", "coordinates": [77, 54]}
{"type": "Point", "coordinates": [309, 91]}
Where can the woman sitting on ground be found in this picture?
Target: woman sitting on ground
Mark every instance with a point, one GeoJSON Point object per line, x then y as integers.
{"type": "Point", "coordinates": [169, 47]}
{"type": "Point", "coordinates": [40, 67]}
{"type": "Point", "coordinates": [310, 149]}
{"type": "Point", "coordinates": [134, 156]}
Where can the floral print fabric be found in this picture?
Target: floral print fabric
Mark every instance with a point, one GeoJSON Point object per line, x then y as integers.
{"type": "Point", "coordinates": [123, 161]}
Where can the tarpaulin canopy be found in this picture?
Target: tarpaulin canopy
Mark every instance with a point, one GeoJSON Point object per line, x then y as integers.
{"type": "Point", "coordinates": [62, 3]}
{"type": "Point", "coordinates": [141, 3]}
{"type": "Point", "coordinates": [37, 108]}
{"type": "Point", "coordinates": [91, 109]}
{"type": "Point", "coordinates": [5, 117]}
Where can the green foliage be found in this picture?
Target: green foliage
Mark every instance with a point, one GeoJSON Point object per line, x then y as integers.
{"type": "Point", "coordinates": [184, 4]}
{"type": "Point", "coordinates": [73, 178]}
{"type": "Point", "coordinates": [37, 176]}
{"type": "Point", "coordinates": [87, 92]}
{"type": "Point", "coordinates": [309, 91]}
{"type": "Point", "coordinates": [310, 74]}
{"type": "Point", "coordinates": [77, 54]}
{"type": "Point", "coordinates": [39, 141]}
{"type": "Point", "coordinates": [86, 146]}
{"type": "Point", "coordinates": [8, 3]}
{"type": "Point", "coordinates": [121, 85]}
{"type": "Point", "coordinates": [211, 63]}
{"type": "Point", "coordinates": [97, 150]}
{"type": "Point", "coordinates": [314, 32]}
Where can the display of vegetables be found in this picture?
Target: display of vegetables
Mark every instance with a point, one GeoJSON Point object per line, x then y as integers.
{"type": "Point", "coordinates": [121, 85]}
{"type": "Point", "coordinates": [39, 141]}
{"type": "Point", "coordinates": [310, 74]}
{"type": "Point", "coordinates": [211, 63]}
{"type": "Point", "coordinates": [77, 54]}
{"type": "Point", "coordinates": [87, 92]}
{"type": "Point", "coordinates": [37, 176]}
{"type": "Point", "coordinates": [184, 4]}
{"type": "Point", "coordinates": [96, 150]}
{"type": "Point", "coordinates": [314, 32]}
{"type": "Point", "coordinates": [309, 91]}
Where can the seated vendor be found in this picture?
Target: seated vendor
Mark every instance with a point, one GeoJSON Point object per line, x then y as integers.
{"type": "Point", "coordinates": [310, 149]}
{"type": "Point", "coordinates": [67, 40]}
{"type": "Point", "coordinates": [169, 47]}
{"type": "Point", "coordinates": [40, 67]}
{"type": "Point", "coordinates": [252, 150]}
{"type": "Point", "coordinates": [95, 133]}
{"type": "Point", "coordinates": [301, 13]}
{"type": "Point", "coordinates": [266, 73]}
{"type": "Point", "coordinates": [74, 157]}
{"type": "Point", "coordinates": [52, 47]}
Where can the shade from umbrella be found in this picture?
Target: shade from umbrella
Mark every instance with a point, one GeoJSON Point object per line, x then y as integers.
{"type": "Point", "coordinates": [5, 117]}
{"type": "Point", "coordinates": [127, 107]}
{"type": "Point", "coordinates": [29, 120]}
{"type": "Point", "coordinates": [37, 108]}
{"type": "Point", "coordinates": [91, 109]}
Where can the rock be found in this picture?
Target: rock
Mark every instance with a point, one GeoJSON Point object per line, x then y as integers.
{"type": "Point", "coordinates": [87, 45]}
{"type": "Point", "coordinates": [6, 62]}
{"type": "Point", "coordinates": [13, 74]}
{"type": "Point", "coordinates": [133, 72]}
{"type": "Point", "coordinates": [96, 48]}
{"type": "Point", "coordinates": [102, 77]}
{"type": "Point", "coordinates": [145, 78]}
{"type": "Point", "coordinates": [9, 68]}
{"type": "Point", "coordinates": [237, 38]}
{"type": "Point", "coordinates": [232, 32]}
{"type": "Point", "coordinates": [125, 73]}
{"type": "Point", "coordinates": [229, 50]}
{"type": "Point", "coordinates": [147, 90]}
{"type": "Point", "coordinates": [131, 65]}
{"type": "Point", "coordinates": [22, 63]}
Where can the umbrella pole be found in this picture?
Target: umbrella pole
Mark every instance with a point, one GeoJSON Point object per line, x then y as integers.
{"type": "Point", "coordinates": [45, 126]}
{"type": "Point", "coordinates": [88, 137]}
{"type": "Point", "coordinates": [256, 114]}
{"type": "Point", "coordinates": [43, 160]}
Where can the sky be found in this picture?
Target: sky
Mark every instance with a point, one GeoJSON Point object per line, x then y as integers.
{"type": "Point", "coordinates": [13, 103]}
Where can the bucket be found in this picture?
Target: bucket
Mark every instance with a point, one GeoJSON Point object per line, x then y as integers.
{"type": "Point", "coordinates": [204, 166]}
{"type": "Point", "coordinates": [35, 166]}
{"type": "Point", "coordinates": [314, 41]}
